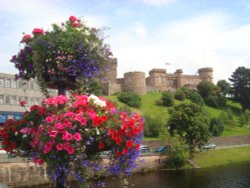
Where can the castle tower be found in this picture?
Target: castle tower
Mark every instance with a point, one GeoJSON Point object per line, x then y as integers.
{"type": "Point", "coordinates": [135, 82]}
{"type": "Point", "coordinates": [179, 78]}
{"type": "Point", "coordinates": [206, 74]}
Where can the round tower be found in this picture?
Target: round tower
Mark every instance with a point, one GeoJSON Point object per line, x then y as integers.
{"type": "Point", "coordinates": [179, 78]}
{"type": "Point", "coordinates": [206, 74]}
{"type": "Point", "coordinates": [135, 82]}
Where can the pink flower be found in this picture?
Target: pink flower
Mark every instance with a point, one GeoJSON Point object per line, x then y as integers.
{"type": "Point", "coordinates": [71, 150]}
{"type": "Point", "coordinates": [26, 38]}
{"type": "Point", "coordinates": [59, 147]}
{"type": "Point", "coordinates": [53, 134]}
{"type": "Point", "coordinates": [61, 99]}
{"type": "Point", "coordinates": [83, 121]}
{"type": "Point", "coordinates": [37, 31]}
{"type": "Point", "coordinates": [77, 136]}
{"type": "Point", "coordinates": [72, 18]}
{"type": "Point", "coordinates": [49, 119]}
{"type": "Point", "coordinates": [59, 126]}
{"type": "Point", "coordinates": [67, 123]}
{"type": "Point", "coordinates": [67, 136]}
{"type": "Point", "coordinates": [50, 101]}
{"type": "Point", "coordinates": [75, 24]}
{"type": "Point", "coordinates": [66, 145]}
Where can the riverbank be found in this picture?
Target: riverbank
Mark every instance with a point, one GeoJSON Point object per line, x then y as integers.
{"type": "Point", "coordinates": [24, 174]}
{"type": "Point", "coordinates": [223, 156]}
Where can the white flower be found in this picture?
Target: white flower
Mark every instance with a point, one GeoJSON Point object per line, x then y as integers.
{"type": "Point", "coordinates": [97, 101]}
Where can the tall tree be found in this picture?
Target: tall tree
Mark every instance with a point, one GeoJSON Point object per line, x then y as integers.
{"type": "Point", "coordinates": [240, 80]}
{"type": "Point", "coordinates": [189, 121]}
{"type": "Point", "coordinates": [224, 87]}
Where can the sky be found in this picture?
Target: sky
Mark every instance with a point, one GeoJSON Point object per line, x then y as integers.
{"type": "Point", "coordinates": [143, 34]}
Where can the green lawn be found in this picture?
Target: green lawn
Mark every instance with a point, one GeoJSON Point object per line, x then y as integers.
{"type": "Point", "coordinates": [149, 106]}
{"type": "Point", "coordinates": [222, 156]}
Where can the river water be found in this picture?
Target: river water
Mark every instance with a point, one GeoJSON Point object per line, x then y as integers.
{"type": "Point", "coordinates": [230, 176]}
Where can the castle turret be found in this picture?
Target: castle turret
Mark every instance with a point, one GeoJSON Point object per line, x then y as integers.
{"type": "Point", "coordinates": [135, 82]}
{"type": "Point", "coordinates": [179, 78]}
{"type": "Point", "coordinates": [206, 74]}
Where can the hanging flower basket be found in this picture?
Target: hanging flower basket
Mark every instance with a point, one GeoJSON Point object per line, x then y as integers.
{"type": "Point", "coordinates": [71, 48]}
{"type": "Point", "coordinates": [70, 134]}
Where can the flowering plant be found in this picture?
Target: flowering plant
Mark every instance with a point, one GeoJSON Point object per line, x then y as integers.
{"type": "Point", "coordinates": [70, 49]}
{"type": "Point", "coordinates": [69, 135]}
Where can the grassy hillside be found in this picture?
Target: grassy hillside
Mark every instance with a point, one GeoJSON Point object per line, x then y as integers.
{"type": "Point", "coordinates": [149, 106]}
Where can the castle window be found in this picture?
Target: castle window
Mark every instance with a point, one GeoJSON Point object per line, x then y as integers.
{"type": "Point", "coordinates": [171, 82]}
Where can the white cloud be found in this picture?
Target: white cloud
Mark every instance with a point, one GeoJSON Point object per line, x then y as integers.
{"type": "Point", "coordinates": [201, 41]}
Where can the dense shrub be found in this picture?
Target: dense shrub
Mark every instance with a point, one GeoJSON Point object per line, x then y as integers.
{"type": "Point", "coordinates": [177, 157]}
{"type": "Point", "coordinates": [131, 99]}
{"type": "Point", "coordinates": [167, 99]}
{"type": "Point", "coordinates": [216, 127]}
{"type": "Point", "coordinates": [195, 97]}
{"type": "Point", "coordinates": [153, 126]}
{"type": "Point", "coordinates": [216, 101]}
{"type": "Point", "coordinates": [180, 95]}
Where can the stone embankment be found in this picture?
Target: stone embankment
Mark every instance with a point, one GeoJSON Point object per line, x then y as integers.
{"type": "Point", "coordinates": [27, 174]}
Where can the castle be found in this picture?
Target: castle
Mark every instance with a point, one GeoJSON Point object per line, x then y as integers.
{"type": "Point", "coordinates": [157, 81]}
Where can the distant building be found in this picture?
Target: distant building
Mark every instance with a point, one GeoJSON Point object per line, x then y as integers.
{"type": "Point", "coordinates": [158, 80]}
{"type": "Point", "coordinates": [12, 91]}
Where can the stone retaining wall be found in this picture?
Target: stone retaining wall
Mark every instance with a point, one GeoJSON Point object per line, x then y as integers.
{"type": "Point", "coordinates": [28, 174]}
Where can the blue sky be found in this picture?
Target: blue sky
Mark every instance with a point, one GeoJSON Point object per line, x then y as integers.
{"type": "Point", "coordinates": [144, 34]}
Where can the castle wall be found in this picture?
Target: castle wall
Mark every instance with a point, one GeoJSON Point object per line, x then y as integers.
{"type": "Point", "coordinates": [135, 82]}
{"type": "Point", "coordinates": [157, 81]}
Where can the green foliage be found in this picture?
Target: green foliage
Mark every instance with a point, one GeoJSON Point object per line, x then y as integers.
{"type": "Point", "coordinates": [240, 80]}
{"type": "Point", "coordinates": [195, 97]}
{"type": "Point", "coordinates": [180, 95]}
{"type": "Point", "coordinates": [153, 125]}
{"type": "Point", "coordinates": [216, 127]}
{"type": "Point", "coordinates": [224, 87]}
{"type": "Point", "coordinates": [211, 94]}
{"type": "Point", "coordinates": [244, 118]}
{"type": "Point", "coordinates": [167, 99]}
{"type": "Point", "coordinates": [90, 87]}
{"type": "Point", "coordinates": [177, 157]}
{"type": "Point", "coordinates": [206, 88]}
{"type": "Point", "coordinates": [131, 99]}
{"type": "Point", "coordinates": [190, 122]}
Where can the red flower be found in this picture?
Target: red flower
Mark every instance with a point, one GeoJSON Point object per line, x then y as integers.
{"type": "Point", "coordinates": [118, 140]}
{"type": "Point", "coordinates": [101, 146]}
{"type": "Point", "coordinates": [37, 31]}
{"type": "Point", "coordinates": [73, 18]}
{"type": "Point", "coordinates": [125, 151]}
{"type": "Point", "coordinates": [129, 143]}
{"type": "Point", "coordinates": [26, 38]}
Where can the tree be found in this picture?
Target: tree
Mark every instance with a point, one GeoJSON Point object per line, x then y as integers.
{"type": "Point", "coordinates": [191, 123]}
{"type": "Point", "coordinates": [167, 99]}
{"type": "Point", "coordinates": [206, 88]}
{"type": "Point", "coordinates": [224, 87]}
{"type": "Point", "coordinates": [216, 127]}
{"type": "Point", "coordinates": [240, 80]}
{"type": "Point", "coordinates": [131, 99]}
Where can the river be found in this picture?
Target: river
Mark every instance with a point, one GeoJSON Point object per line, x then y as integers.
{"type": "Point", "coordinates": [230, 176]}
